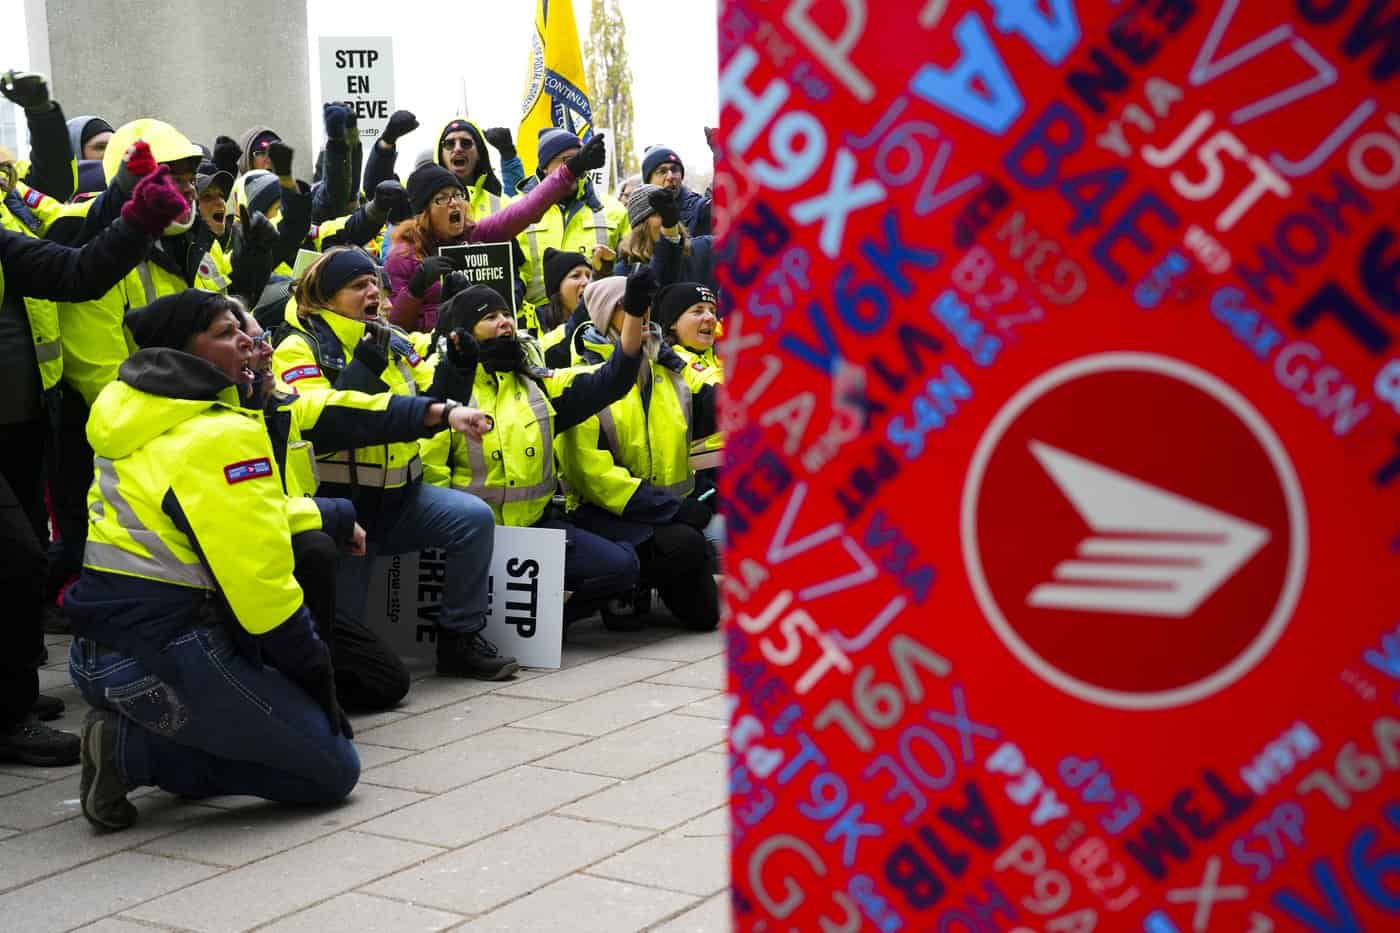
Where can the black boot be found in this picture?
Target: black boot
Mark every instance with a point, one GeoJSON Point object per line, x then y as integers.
{"type": "Point", "coordinates": [628, 611]}
{"type": "Point", "coordinates": [462, 655]}
{"type": "Point", "coordinates": [46, 707]}
{"type": "Point", "coordinates": [34, 743]}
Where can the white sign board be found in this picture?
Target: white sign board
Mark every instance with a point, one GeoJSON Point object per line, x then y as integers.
{"type": "Point", "coordinates": [525, 597]}
{"type": "Point", "coordinates": [359, 70]}
{"type": "Point", "coordinates": [603, 177]}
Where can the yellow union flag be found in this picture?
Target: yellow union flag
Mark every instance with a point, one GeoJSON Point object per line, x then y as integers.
{"type": "Point", "coordinates": [556, 91]}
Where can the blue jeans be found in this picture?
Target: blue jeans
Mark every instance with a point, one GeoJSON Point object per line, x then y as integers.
{"type": "Point", "coordinates": [231, 727]}
{"type": "Point", "coordinates": [430, 517]}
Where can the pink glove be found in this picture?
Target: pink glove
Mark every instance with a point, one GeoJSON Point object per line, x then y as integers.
{"type": "Point", "coordinates": [154, 203]}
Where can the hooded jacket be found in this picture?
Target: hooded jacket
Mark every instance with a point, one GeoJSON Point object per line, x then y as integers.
{"type": "Point", "coordinates": [583, 221]}
{"type": "Point", "coordinates": [187, 523]}
{"type": "Point", "coordinates": [245, 161]}
{"type": "Point", "coordinates": [480, 187]}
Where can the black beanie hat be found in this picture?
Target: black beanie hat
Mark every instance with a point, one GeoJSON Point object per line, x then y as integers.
{"type": "Point", "coordinates": [427, 180]}
{"type": "Point", "coordinates": [470, 305]}
{"type": "Point", "coordinates": [172, 320]}
{"type": "Point", "coordinates": [559, 263]}
{"type": "Point", "coordinates": [343, 267]}
{"type": "Point", "coordinates": [672, 301]}
{"type": "Point", "coordinates": [657, 156]}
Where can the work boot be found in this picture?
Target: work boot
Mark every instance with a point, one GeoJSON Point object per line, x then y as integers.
{"type": "Point", "coordinates": [33, 743]}
{"type": "Point", "coordinates": [102, 790]}
{"type": "Point", "coordinates": [463, 655]}
{"type": "Point", "coordinates": [627, 612]}
{"type": "Point", "coordinates": [46, 708]}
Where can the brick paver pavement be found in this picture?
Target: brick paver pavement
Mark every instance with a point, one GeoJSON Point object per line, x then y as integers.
{"type": "Point", "coordinates": [586, 799]}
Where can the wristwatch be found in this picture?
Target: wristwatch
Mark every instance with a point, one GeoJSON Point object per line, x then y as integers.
{"type": "Point", "coordinates": [447, 407]}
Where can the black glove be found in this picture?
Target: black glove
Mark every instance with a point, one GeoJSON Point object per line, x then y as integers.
{"type": "Point", "coordinates": [334, 117]}
{"type": "Point", "coordinates": [226, 155]}
{"type": "Point", "coordinates": [400, 124]}
{"type": "Point", "coordinates": [499, 137]}
{"type": "Point", "coordinates": [502, 355]}
{"type": "Point", "coordinates": [694, 513]}
{"type": "Point", "coordinates": [432, 269]}
{"type": "Point", "coordinates": [258, 231]}
{"type": "Point", "coordinates": [593, 154]}
{"type": "Point", "coordinates": [373, 349]}
{"type": "Point", "coordinates": [664, 203]}
{"type": "Point", "coordinates": [352, 123]}
{"type": "Point", "coordinates": [641, 290]}
{"type": "Point", "coordinates": [26, 89]}
{"type": "Point", "coordinates": [462, 350]}
{"type": "Point", "coordinates": [390, 197]}
{"type": "Point", "coordinates": [281, 155]}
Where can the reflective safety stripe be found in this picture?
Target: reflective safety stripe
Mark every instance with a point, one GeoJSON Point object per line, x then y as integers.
{"type": "Point", "coordinates": [143, 270]}
{"type": "Point", "coordinates": [161, 565]}
{"type": "Point", "coordinates": [600, 228]}
{"type": "Point", "coordinates": [476, 457]}
{"type": "Point", "coordinates": [407, 372]}
{"type": "Point", "coordinates": [707, 452]}
{"type": "Point", "coordinates": [683, 395]}
{"type": "Point", "coordinates": [681, 489]}
{"type": "Point", "coordinates": [370, 474]}
{"type": "Point", "coordinates": [536, 267]}
{"type": "Point", "coordinates": [48, 351]}
{"type": "Point", "coordinates": [493, 200]}
{"type": "Point", "coordinates": [609, 429]}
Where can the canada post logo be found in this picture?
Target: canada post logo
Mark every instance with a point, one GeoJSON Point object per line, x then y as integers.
{"type": "Point", "coordinates": [247, 469]}
{"type": "Point", "coordinates": [1134, 531]}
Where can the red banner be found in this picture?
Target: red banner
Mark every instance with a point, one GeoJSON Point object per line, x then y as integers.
{"type": "Point", "coordinates": [1063, 470]}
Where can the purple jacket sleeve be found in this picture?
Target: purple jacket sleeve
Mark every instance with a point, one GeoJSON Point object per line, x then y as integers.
{"type": "Point", "coordinates": [401, 266]}
{"type": "Point", "coordinates": [509, 221]}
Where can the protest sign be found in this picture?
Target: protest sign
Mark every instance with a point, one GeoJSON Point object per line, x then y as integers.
{"type": "Point", "coordinates": [359, 70]}
{"type": "Point", "coordinates": [491, 264]}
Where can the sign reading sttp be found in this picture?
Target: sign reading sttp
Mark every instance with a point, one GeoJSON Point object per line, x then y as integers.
{"type": "Point", "coordinates": [359, 70]}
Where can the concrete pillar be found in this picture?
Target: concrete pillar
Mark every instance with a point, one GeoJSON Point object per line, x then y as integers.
{"type": "Point", "coordinates": [207, 68]}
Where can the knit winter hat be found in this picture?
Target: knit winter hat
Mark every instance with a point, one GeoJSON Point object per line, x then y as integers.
{"type": "Point", "coordinates": [172, 320]}
{"type": "Point", "coordinates": [601, 297]}
{"type": "Point", "coordinates": [638, 204]}
{"type": "Point", "coordinates": [261, 190]}
{"type": "Point", "coordinates": [559, 263]}
{"type": "Point", "coordinates": [554, 141]}
{"type": "Point", "coordinates": [672, 301]}
{"type": "Point", "coordinates": [472, 304]}
{"type": "Point", "coordinates": [657, 156]}
{"type": "Point", "coordinates": [342, 268]}
{"type": "Point", "coordinates": [426, 181]}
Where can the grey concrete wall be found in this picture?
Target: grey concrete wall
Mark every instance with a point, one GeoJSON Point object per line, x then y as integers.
{"type": "Point", "coordinates": [205, 67]}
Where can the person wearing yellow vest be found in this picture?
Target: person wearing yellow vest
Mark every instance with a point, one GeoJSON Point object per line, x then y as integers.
{"type": "Point", "coordinates": [443, 217]}
{"type": "Point", "coordinates": [584, 222]}
{"type": "Point", "coordinates": [566, 275]}
{"type": "Point", "coordinates": [686, 313]}
{"type": "Point", "coordinates": [336, 339]}
{"type": "Point", "coordinates": [628, 468]}
{"type": "Point", "coordinates": [512, 468]}
{"type": "Point", "coordinates": [194, 645]}
{"type": "Point", "coordinates": [31, 267]}
{"type": "Point", "coordinates": [96, 342]}
{"type": "Point", "coordinates": [368, 673]}
{"type": "Point", "coordinates": [213, 188]}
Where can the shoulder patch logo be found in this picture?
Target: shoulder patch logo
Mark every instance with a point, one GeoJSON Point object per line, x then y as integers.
{"type": "Point", "coordinates": [247, 469]}
{"type": "Point", "coordinates": [33, 198]}
{"type": "Point", "coordinates": [301, 372]}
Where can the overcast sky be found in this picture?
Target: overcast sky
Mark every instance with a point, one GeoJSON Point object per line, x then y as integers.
{"type": "Point", "coordinates": [671, 47]}
{"type": "Point", "coordinates": [442, 46]}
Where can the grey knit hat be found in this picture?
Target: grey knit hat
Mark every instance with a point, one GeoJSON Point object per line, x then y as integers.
{"type": "Point", "coordinates": [639, 204]}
